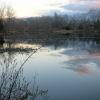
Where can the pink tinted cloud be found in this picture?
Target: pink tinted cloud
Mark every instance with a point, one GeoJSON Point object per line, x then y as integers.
{"type": "Point", "coordinates": [97, 4]}
{"type": "Point", "coordinates": [91, 3]}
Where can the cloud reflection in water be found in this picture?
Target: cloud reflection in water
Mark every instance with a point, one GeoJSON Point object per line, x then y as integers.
{"type": "Point", "coordinates": [78, 60]}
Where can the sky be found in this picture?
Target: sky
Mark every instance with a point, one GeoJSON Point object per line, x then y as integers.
{"type": "Point", "coordinates": [29, 8]}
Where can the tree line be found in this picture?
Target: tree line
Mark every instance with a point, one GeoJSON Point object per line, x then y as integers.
{"type": "Point", "coordinates": [56, 22]}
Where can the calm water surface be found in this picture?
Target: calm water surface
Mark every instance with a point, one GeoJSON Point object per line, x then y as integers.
{"type": "Point", "coordinates": [69, 69]}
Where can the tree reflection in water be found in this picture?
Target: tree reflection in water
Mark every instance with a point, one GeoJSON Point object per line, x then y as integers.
{"type": "Point", "coordinates": [13, 85]}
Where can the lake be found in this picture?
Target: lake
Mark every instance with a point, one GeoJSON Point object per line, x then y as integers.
{"type": "Point", "coordinates": [68, 68]}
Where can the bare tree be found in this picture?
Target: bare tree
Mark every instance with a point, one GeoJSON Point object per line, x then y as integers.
{"type": "Point", "coordinates": [6, 15]}
{"type": "Point", "coordinates": [9, 16]}
{"type": "Point", "coordinates": [10, 12]}
{"type": "Point", "coordinates": [2, 10]}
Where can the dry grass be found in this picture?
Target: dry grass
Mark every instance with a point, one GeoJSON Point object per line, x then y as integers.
{"type": "Point", "coordinates": [13, 85]}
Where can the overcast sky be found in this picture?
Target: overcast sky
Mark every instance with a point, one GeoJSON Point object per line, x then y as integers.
{"type": "Point", "coordinates": [26, 8]}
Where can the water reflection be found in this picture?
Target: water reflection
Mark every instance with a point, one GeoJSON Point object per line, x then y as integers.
{"type": "Point", "coordinates": [58, 62]}
{"type": "Point", "coordinates": [13, 85]}
{"type": "Point", "coordinates": [83, 57]}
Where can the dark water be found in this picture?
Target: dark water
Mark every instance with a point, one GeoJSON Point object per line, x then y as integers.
{"type": "Point", "coordinates": [69, 69]}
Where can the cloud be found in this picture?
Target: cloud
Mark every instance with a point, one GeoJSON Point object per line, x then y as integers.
{"type": "Point", "coordinates": [72, 6]}
{"type": "Point", "coordinates": [39, 7]}
{"type": "Point", "coordinates": [81, 5]}
{"type": "Point", "coordinates": [91, 3]}
{"type": "Point", "coordinates": [76, 7]}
